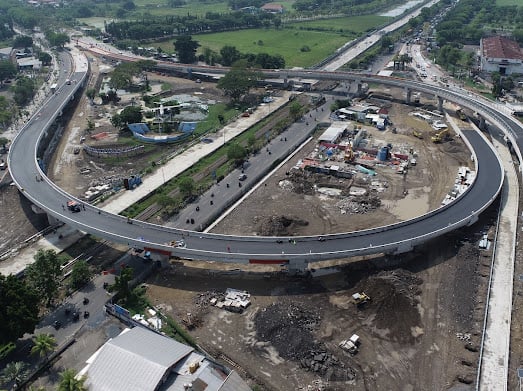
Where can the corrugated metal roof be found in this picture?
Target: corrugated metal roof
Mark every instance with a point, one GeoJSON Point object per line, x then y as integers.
{"type": "Point", "coordinates": [501, 47]}
{"type": "Point", "coordinates": [137, 360]}
{"type": "Point", "coordinates": [234, 383]}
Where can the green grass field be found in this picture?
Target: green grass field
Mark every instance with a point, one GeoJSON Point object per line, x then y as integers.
{"type": "Point", "coordinates": [501, 3]}
{"type": "Point", "coordinates": [355, 24]}
{"type": "Point", "coordinates": [285, 42]}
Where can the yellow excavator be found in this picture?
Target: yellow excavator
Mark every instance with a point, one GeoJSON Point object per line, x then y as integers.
{"type": "Point", "coordinates": [439, 137]}
{"type": "Point", "coordinates": [417, 134]}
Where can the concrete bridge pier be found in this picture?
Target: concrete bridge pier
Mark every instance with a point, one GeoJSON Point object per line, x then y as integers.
{"type": "Point", "coordinates": [285, 82]}
{"type": "Point", "coordinates": [408, 95]}
{"type": "Point", "coordinates": [404, 247]}
{"type": "Point", "coordinates": [482, 123]}
{"type": "Point", "coordinates": [440, 104]}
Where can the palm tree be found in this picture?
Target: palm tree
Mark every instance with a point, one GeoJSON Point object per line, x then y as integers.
{"type": "Point", "coordinates": [69, 382]}
{"type": "Point", "coordinates": [15, 371]}
{"type": "Point", "coordinates": [43, 345]}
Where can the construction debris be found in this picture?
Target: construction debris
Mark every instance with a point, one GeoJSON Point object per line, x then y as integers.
{"type": "Point", "coordinates": [234, 300]}
{"type": "Point", "coordinates": [289, 328]}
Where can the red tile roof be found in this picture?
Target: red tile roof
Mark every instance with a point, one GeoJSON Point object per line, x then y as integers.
{"type": "Point", "coordinates": [501, 47]}
{"type": "Point", "coordinates": [272, 7]}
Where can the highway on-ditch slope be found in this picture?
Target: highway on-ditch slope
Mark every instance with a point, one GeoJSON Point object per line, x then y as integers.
{"type": "Point", "coordinates": [399, 237]}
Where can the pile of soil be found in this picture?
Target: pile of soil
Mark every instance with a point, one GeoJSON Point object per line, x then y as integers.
{"type": "Point", "coordinates": [279, 225]}
{"type": "Point", "coordinates": [393, 306]}
{"type": "Point", "coordinates": [288, 327]}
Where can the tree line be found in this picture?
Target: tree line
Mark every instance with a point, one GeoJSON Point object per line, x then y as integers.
{"type": "Point", "coordinates": [152, 27]}
{"type": "Point", "coordinates": [471, 20]}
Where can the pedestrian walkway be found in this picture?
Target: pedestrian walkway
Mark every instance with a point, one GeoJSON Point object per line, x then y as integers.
{"type": "Point", "coordinates": [496, 345]}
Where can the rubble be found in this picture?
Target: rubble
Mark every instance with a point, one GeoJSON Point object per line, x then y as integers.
{"type": "Point", "coordinates": [279, 225]}
{"type": "Point", "coordinates": [288, 327]}
{"type": "Point", "coordinates": [358, 204]}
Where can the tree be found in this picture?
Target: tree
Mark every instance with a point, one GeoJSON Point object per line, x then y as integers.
{"type": "Point", "coordinates": [7, 70]}
{"type": "Point", "coordinates": [186, 186]}
{"type": "Point", "coordinates": [22, 41]}
{"type": "Point", "coordinates": [15, 372]}
{"type": "Point", "coordinates": [121, 283]}
{"type": "Point", "coordinates": [295, 110]}
{"type": "Point", "coordinates": [45, 273]}
{"type": "Point", "coordinates": [90, 93]}
{"type": "Point", "coordinates": [57, 39]}
{"type": "Point", "coordinates": [18, 308]}
{"type": "Point", "coordinates": [237, 82]}
{"type": "Point", "coordinates": [46, 58]}
{"type": "Point", "coordinates": [80, 275]}
{"type": "Point", "coordinates": [236, 153]}
{"type": "Point", "coordinates": [3, 142]}
{"type": "Point", "coordinates": [131, 115]}
{"type": "Point", "coordinates": [43, 345]}
{"type": "Point", "coordinates": [24, 90]}
{"type": "Point", "coordinates": [229, 55]}
{"type": "Point", "coordinates": [185, 47]}
{"type": "Point", "coordinates": [69, 382]}
{"type": "Point", "coordinates": [117, 122]}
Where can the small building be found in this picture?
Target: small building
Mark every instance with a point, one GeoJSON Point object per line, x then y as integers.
{"type": "Point", "coordinates": [501, 54]}
{"type": "Point", "coordinates": [272, 8]}
{"type": "Point", "coordinates": [30, 63]}
{"type": "Point", "coordinates": [141, 360]}
{"type": "Point", "coordinates": [332, 134]}
{"type": "Point", "coordinates": [5, 53]}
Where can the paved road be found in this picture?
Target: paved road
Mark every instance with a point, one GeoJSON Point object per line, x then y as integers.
{"type": "Point", "coordinates": [400, 237]}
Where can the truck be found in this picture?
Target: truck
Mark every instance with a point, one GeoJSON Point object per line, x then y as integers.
{"type": "Point", "coordinates": [54, 86]}
{"type": "Point", "coordinates": [351, 345]}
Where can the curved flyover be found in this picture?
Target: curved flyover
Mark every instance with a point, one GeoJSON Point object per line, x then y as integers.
{"type": "Point", "coordinates": [400, 237]}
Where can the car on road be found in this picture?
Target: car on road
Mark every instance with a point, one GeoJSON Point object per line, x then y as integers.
{"type": "Point", "coordinates": [242, 177]}
{"type": "Point", "coordinates": [57, 324]}
{"type": "Point", "coordinates": [76, 316]}
{"type": "Point", "coordinates": [73, 206]}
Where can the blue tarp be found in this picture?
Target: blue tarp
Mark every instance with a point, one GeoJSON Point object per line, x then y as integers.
{"type": "Point", "coordinates": [187, 127]}
{"type": "Point", "coordinates": [139, 128]}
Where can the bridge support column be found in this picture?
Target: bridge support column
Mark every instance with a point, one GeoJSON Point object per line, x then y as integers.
{"type": "Point", "coordinates": [404, 248]}
{"type": "Point", "coordinates": [52, 220]}
{"type": "Point", "coordinates": [472, 220]}
{"type": "Point", "coordinates": [482, 123]}
{"type": "Point", "coordinates": [440, 104]}
{"type": "Point", "coordinates": [408, 95]}
{"type": "Point", "coordinates": [285, 82]}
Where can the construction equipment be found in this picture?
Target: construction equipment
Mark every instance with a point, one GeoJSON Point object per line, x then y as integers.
{"type": "Point", "coordinates": [417, 134]}
{"type": "Point", "coordinates": [439, 137]}
{"type": "Point", "coordinates": [461, 115]}
{"type": "Point", "coordinates": [360, 298]}
{"type": "Point", "coordinates": [350, 345]}
{"type": "Point", "coordinates": [349, 154]}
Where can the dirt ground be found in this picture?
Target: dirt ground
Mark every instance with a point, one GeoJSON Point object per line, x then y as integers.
{"type": "Point", "coordinates": [421, 329]}
{"type": "Point", "coordinates": [405, 196]}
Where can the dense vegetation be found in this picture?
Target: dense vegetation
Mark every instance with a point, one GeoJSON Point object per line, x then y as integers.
{"type": "Point", "coordinates": [473, 19]}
